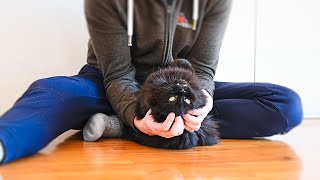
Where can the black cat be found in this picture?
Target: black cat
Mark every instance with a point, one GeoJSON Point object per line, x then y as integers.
{"type": "Point", "coordinates": [173, 89]}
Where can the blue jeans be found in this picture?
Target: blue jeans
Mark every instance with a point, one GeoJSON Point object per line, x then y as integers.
{"type": "Point", "coordinates": [54, 105]}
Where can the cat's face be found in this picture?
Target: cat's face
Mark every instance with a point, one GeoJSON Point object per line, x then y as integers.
{"type": "Point", "coordinates": [164, 95]}
{"type": "Point", "coordinates": [179, 98]}
{"type": "Point", "coordinates": [172, 89]}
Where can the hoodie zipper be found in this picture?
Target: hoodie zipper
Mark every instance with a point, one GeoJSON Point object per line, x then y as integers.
{"type": "Point", "coordinates": [169, 33]}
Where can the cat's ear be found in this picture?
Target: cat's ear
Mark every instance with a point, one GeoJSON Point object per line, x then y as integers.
{"type": "Point", "coordinates": [182, 63]}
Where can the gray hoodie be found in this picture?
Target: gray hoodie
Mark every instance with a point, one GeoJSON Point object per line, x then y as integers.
{"type": "Point", "coordinates": [128, 45]}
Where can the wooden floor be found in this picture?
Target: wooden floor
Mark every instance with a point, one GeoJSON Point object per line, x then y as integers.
{"type": "Point", "coordinates": [295, 155]}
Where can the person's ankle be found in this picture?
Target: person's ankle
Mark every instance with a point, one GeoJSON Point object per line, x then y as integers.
{"type": "Point", "coordinates": [114, 126]}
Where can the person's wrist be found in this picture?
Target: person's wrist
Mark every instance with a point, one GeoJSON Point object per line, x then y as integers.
{"type": "Point", "coordinates": [140, 125]}
{"type": "Point", "coordinates": [209, 99]}
{"type": "Point", "coordinates": [136, 122]}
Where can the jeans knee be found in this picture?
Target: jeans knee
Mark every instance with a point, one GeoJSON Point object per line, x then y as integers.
{"type": "Point", "coordinates": [62, 85]}
{"type": "Point", "coordinates": [290, 105]}
{"type": "Point", "coordinates": [47, 83]}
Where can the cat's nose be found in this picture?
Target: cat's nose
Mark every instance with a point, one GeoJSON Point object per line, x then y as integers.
{"type": "Point", "coordinates": [182, 90]}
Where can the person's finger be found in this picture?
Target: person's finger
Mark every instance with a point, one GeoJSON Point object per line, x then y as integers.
{"type": "Point", "coordinates": [187, 127]}
{"type": "Point", "coordinates": [142, 125]}
{"type": "Point", "coordinates": [206, 109]}
{"type": "Point", "coordinates": [148, 118]}
{"type": "Point", "coordinates": [199, 112]}
{"type": "Point", "coordinates": [186, 124]}
{"type": "Point", "coordinates": [166, 125]}
{"type": "Point", "coordinates": [181, 130]}
{"type": "Point", "coordinates": [192, 126]}
{"type": "Point", "coordinates": [151, 124]}
{"type": "Point", "coordinates": [148, 113]}
{"type": "Point", "coordinates": [181, 127]}
{"type": "Point", "coordinates": [192, 119]}
{"type": "Point", "coordinates": [174, 131]}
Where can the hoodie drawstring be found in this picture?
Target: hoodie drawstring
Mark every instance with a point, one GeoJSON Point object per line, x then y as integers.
{"type": "Point", "coordinates": [195, 14]}
{"type": "Point", "coordinates": [130, 21]}
{"type": "Point", "coordinates": [130, 14]}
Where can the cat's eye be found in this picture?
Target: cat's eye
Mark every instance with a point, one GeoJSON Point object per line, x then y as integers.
{"type": "Point", "coordinates": [188, 101]}
{"type": "Point", "coordinates": [173, 98]}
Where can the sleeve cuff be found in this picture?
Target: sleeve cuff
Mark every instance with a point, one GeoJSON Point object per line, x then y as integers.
{"type": "Point", "coordinates": [208, 86]}
{"type": "Point", "coordinates": [130, 114]}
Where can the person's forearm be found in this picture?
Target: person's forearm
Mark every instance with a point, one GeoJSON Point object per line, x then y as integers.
{"type": "Point", "coordinates": [121, 95]}
{"type": "Point", "coordinates": [109, 44]}
{"type": "Point", "coordinates": [204, 55]}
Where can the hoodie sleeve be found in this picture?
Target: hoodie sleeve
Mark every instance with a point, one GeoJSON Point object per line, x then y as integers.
{"type": "Point", "coordinates": [108, 36]}
{"type": "Point", "coordinates": [204, 55]}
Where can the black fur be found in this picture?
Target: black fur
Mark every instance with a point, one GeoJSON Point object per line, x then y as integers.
{"type": "Point", "coordinates": [178, 80]}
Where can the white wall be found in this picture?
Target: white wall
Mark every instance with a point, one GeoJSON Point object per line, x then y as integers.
{"type": "Point", "coordinates": [237, 52]}
{"type": "Point", "coordinates": [39, 38]}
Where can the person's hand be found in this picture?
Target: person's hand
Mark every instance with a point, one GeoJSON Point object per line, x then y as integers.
{"type": "Point", "coordinates": [194, 118]}
{"type": "Point", "coordinates": [172, 126]}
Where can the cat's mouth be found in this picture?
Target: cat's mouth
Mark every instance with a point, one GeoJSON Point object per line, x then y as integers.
{"type": "Point", "coordinates": [183, 106]}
